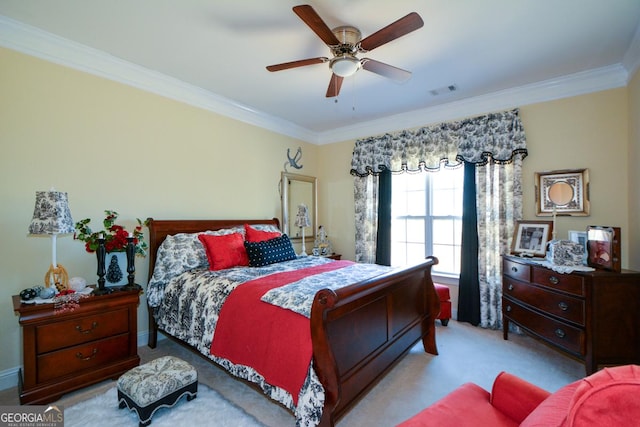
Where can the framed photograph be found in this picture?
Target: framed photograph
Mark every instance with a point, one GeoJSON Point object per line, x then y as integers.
{"type": "Point", "coordinates": [603, 246]}
{"type": "Point", "coordinates": [581, 238]}
{"type": "Point", "coordinates": [531, 237]}
{"type": "Point", "coordinates": [563, 192]}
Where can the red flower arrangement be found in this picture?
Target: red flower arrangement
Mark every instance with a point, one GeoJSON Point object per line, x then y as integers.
{"type": "Point", "coordinates": [115, 236]}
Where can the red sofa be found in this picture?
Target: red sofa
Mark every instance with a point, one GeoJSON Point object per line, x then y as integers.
{"type": "Point", "coordinates": [610, 397]}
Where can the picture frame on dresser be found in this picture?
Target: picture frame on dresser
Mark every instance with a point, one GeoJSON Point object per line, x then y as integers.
{"type": "Point", "coordinates": [580, 237]}
{"type": "Point", "coordinates": [530, 238]}
{"type": "Point", "coordinates": [603, 247]}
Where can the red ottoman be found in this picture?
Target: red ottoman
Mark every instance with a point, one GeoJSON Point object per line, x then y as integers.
{"type": "Point", "coordinates": [445, 303]}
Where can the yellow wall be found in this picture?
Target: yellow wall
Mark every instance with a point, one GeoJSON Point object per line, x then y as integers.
{"type": "Point", "coordinates": [111, 146]}
{"type": "Point", "coordinates": [634, 173]}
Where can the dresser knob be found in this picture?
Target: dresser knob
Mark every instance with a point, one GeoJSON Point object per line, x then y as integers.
{"type": "Point", "coordinates": [89, 357]}
{"type": "Point", "coordinates": [514, 269]}
{"type": "Point", "coordinates": [560, 333]}
{"type": "Point", "coordinates": [563, 306]}
{"type": "Point", "coordinates": [554, 280]}
{"type": "Point", "coordinates": [508, 308]}
{"type": "Point", "coordinates": [86, 331]}
{"type": "Point", "coordinates": [510, 287]}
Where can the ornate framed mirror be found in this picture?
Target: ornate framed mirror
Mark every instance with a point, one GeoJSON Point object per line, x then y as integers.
{"type": "Point", "coordinates": [295, 190]}
{"type": "Point", "coordinates": [562, 192]}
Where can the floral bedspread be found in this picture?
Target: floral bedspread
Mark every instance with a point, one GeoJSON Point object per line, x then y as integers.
{"type": "Point", "coordinates": [192, 301]}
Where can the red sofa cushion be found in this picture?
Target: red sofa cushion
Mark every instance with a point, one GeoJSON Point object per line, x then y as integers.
{"type": "Point", "coordinates": [552, 412]}
{"type": "Point", "coordinates": [610, 397]}
{"type": "Point", "coordinates": [468, 405]}
{"type": "Point", "coordinates": [515, 397]}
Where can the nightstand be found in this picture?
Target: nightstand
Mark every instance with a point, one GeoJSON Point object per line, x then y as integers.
{"type": "Point", "coordinates": [69, 350]}
{"type": "Point", "coordinates": [334, 256]}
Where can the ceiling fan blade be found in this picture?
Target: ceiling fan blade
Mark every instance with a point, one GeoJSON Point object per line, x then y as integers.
{"type": "Point", "coordinates": [313, 20]}
{"type": "Point", "coordinates": [334, 86]}
{"type": "Point", "coordinates": [386, 70]}
{"type": "Point", "coordinates": [295, 64]}
{"type": "Point", "coordinates": [399, 28]}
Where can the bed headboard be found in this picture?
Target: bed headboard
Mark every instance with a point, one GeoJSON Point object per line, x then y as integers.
{"type": "Point", "coordinates": [160, 229]}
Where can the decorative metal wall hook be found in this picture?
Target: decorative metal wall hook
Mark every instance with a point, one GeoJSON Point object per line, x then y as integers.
{"type": "Point", "coordinates": [293, 161]}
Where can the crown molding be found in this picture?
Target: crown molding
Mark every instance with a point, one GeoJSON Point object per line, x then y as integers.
{"type": "Point", "coordinates": [41, 44]}
{"type": "Point", "coordinates": [631, 60]}
{"type": "Point", "coordinates": [571, 85]}
{"type": "Point", "coordinates": [35, 42]}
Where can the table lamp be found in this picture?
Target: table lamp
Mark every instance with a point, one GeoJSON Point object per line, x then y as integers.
{"type": "Point", "coordinates": [51, 216]}
{"type": "Point", "coordinates": [302, 221]}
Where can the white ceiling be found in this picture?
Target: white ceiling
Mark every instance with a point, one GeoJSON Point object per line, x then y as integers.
{"type": "Point", "coordinates": [213, 53]}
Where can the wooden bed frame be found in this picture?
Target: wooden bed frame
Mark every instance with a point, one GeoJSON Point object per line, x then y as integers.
{"type": "Point", "coordinates": [358, 332]}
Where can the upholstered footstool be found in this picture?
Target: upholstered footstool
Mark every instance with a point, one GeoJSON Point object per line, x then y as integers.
{"type": "Point", "coordinates": [445, 303]}
{"type": "Point", "coordinates": [159, 383]}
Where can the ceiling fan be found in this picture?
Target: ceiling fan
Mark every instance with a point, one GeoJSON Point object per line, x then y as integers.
{"type": "Point", "coordinates": [345, 42]}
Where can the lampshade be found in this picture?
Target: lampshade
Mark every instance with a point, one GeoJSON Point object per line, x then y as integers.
{"type": "Point", "coordinates": [345, 66]}
{"type": "Point", "coordinates": [51, 214]}
{"type": "Point", "coordinates": [302, 217]}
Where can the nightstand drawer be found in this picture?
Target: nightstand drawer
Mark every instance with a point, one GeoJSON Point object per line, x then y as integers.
{"type": "Point", "coordinates": [75, 359]}
{"type": "Point", "coordinates": [60, 335]}
{"type": "Point", "coordinates": [563, 306]}
{"type": "Point", "coordinates": [572, 284]}
{"type": "Point", "coordinates": [561, 334]}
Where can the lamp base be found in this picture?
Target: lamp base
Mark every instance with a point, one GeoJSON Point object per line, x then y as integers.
{"type": "Point", "coordinates": [58, 277]}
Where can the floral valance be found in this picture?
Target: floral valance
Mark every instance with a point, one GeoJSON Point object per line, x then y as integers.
{"type": "Point", "coordinates": [497, 137]}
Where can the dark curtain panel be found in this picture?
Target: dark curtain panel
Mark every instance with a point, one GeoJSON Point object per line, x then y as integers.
{"type": "Point", "coordinates": [469, 290]}
{"type": "Point", "coordinates": [383, 244]}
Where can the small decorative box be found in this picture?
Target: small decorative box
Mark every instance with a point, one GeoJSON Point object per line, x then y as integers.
{"type": "Point", "coordinates": [565, 252]}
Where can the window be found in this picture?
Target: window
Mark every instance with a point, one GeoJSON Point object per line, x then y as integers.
{"type": "Point", "coordinates": [426, 218]}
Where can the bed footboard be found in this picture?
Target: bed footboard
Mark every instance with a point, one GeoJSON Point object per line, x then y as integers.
{"type": "Point", "coordinates": [361, 331]}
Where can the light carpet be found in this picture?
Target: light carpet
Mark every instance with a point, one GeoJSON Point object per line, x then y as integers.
{"type": "Point", "coordinates": [208, 409]}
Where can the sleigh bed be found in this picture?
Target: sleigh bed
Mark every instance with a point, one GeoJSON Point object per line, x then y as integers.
{"type": "Point", "coordinates": [357, 331]}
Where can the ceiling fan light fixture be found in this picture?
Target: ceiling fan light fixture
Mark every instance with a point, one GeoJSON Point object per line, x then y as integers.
{"type": "Point", "coordinates": [345, 66]}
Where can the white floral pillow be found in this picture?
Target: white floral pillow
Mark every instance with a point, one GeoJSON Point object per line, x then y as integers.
{"type": "Point", "coordinates": [179, 253]}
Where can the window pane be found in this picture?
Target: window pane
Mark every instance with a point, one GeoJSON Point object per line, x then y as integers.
{"type": "Point", "coordinates": [443, 232]}
{"type": "Point", "coordinates": [415, 231]}
{"type": "Point", "coordinates": [427, 218]}
{"type": "Point", "coordinates": [415, 253]}
{"type": "Point", "coordinates": [416, 203]}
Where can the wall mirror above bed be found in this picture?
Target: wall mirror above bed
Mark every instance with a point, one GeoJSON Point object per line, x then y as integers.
{"type": "Point", "coordinates": [297, 189]}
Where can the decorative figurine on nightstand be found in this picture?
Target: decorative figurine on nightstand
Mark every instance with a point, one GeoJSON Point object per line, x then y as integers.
{"type": "Point", "coordinates": [322, 245]}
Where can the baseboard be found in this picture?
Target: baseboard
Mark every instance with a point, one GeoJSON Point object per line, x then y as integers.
{"type": "Point", "coordinates": [9, 377]}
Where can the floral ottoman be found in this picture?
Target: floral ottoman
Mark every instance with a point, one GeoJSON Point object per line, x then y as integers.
{"type": "Point", "coordinates": [159, 383]}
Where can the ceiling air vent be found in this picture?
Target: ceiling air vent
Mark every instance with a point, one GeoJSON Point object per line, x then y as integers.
{"type": "Point", "coordinates": [444, 89]}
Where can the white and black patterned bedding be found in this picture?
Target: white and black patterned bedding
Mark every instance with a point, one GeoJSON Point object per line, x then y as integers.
{"type": "Point", "coordinates": [189, 311]}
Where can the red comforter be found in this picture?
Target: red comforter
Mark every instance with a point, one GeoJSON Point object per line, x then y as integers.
{"type": "Point", "coordinates": [276, 342]}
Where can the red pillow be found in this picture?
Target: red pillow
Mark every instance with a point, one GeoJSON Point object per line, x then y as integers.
{"type": "Point", "coordinates": [224, 251]}
{"type": "Point", "coordinates": [253, 235]}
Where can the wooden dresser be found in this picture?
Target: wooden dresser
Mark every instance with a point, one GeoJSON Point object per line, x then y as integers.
{"type": "Point", "coordinates": [592, 316]}
{"type": "Point", "coordinates": [66, 351]}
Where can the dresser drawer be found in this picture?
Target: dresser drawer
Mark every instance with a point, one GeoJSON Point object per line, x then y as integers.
{"type": "Point", "coordinates": [561, 334]}
{"type": "Point", "coordinates": [563, 306]}
{"type": "Point", "coordinates": [85, 356]}
{"type": "Point", "coordinates": [516, 270]}
{"type": "Point", "coordinates": [60, 335]}
{"type": "Point", "coordinates": [570, 283]}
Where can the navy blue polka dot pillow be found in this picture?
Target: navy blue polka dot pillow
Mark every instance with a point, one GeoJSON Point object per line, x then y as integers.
{"type": "Point", "coordinates": [270, 251]}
